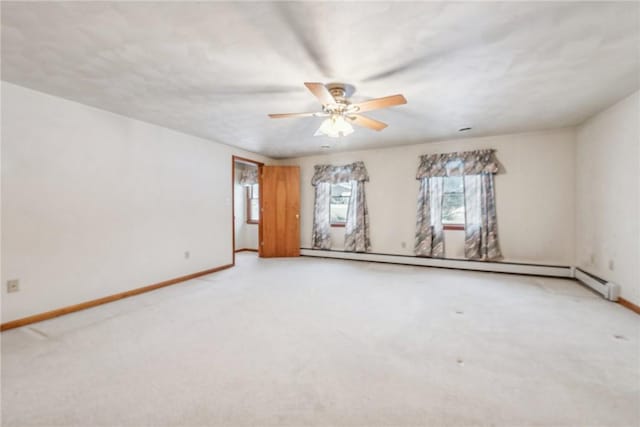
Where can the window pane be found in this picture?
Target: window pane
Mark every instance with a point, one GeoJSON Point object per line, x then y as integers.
{"type": "Point", "coordinates": [453, 184]}
{"type": "Point", "coordinates": [254, 210]}
{"type": "Point", "coordinates": [341, 190]}
{"type": "Point", "coordinates": [453, 200]}
{"type": "Point", "coordinates": [340, 194]}
{"type": "Point", "coordinates": [253, 191]}
{"type": "Point", "coordinates": [339, 213]}
{"type": "Point", "coordinates": [453, 208]}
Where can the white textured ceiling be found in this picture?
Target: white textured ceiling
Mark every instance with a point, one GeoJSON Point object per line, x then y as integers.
{"type": "Point", "coordinates": [216, 69]}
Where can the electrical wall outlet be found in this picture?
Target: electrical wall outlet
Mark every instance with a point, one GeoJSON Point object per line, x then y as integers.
{"type": "Point", "coordinates": [403, 245]}
{"type": "Point", "coordinates": [611, 265]}
{"type": "Point", "coordinates": [13, 285]}
{"type": "Point", "coordinates": [186, 255]}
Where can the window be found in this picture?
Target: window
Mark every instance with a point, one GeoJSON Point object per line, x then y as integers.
{"type": "Point", "coordinates": [253, 204]}
{"type": "Point", "coordinates": [453, 203]}
{"type": "Point", "coordinates": [340, 195]}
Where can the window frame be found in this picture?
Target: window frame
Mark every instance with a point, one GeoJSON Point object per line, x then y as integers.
{"type": "Point", "coordinates": [331, 223]}
{"type": "Point", "coordinates": [453, 226]}
{"type": "Point", "coordinates": [248, 198]}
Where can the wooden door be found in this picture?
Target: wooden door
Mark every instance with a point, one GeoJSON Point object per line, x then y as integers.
{"type": "Point", "coordinates": [279, 231]}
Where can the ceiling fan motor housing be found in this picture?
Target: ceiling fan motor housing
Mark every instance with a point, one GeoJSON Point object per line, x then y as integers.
{"type": "Point", "coordinates": [340, 91]}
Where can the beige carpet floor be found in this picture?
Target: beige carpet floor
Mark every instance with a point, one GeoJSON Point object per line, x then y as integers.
{"type": "Point", "coordinates": [311, 342]}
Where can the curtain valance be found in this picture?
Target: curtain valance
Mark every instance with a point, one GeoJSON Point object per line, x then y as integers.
{"type": "Point", "coordinates": [248, 174]}
{"type": "Point", "coordinates": [336, 174]}
{"type": "Point", "coordinates": [457, 164]}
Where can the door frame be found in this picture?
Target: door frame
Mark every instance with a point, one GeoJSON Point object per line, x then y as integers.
{"type": "Point", "coordinates": [258, 164]}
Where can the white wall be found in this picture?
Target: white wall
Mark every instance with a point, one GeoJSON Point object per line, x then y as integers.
{"type": "Point", "coordinates": [608, 196]}
{"type": "Point", "coordinates": [94, 203]}
{"type": "Point", "coordinates": [535, 195]}
{"type": "Point", "coordinates": [246, 234]}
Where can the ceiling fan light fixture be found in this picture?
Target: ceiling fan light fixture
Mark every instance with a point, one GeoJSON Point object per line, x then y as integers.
{"type": "Point", "coordinates": [335, 127]}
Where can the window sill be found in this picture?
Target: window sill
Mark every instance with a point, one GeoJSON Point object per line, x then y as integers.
{"type": "Point", "coordinates": [338, 225]}
{"type": "Point", "coordinates": [453, 226]}
{"type": "Point", "coordinates": [253, 222]}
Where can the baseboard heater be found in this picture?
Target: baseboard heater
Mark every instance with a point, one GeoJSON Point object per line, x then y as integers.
{"type": "Point", "coordinates": [458, 264]}
{"type": "Point", "coordinates": [609, 290]}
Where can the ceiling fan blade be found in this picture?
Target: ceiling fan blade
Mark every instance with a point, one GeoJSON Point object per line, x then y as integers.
{"type": "Point", "coordinates": [292, 115]}
{"type": "Point", "coordinates": [320, 91]}
{"type": "Point", "coordinates": [367, 122]}
{"type": "Point", "coordinates": [378, 103]}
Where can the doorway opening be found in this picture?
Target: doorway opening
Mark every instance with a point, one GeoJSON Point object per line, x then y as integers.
{"type": "Point", "coordinates": [245, 205]}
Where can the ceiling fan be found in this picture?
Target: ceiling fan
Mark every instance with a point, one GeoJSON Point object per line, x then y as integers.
{"type": "Point", "coordinates": [340, 112]}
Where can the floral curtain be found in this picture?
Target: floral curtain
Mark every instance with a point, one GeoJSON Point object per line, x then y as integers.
{"type": "Point", "coordinates": [481, 228]}
{"type": "Point", "coordinates": [321, 237]}
{"type": "Point", "coordinates": [356, 238]}
{"type": "Point", "coordinates": [357, 226]}
{"type": "Point", "coordinates": [336, 174]}
{"type": "Point", "coordinates": [248, 174]}
{"type": "Point", "coordinates": [429, 229]}
{"type": "Point", "coordinates": [466, 163]}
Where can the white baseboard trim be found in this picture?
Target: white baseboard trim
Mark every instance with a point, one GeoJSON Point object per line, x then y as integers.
{"type": "Point", "coordinates": [495, 267]}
